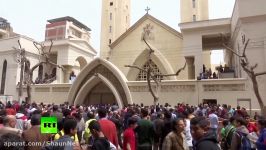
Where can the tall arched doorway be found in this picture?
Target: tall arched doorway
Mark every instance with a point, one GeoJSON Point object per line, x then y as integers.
{"type": "Point", "coordinates": [100, 82]}
{"type": "Point", "coordinates": [100, 94]}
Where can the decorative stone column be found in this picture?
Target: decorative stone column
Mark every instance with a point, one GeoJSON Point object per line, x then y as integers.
{"type": "Point", "coordinates": [191, 67]}
{"type": "Point", "coordinates": [198, 64]}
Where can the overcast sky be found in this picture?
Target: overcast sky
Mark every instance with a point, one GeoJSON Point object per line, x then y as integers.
{"type": "Point", "coordinates": [28, 17]}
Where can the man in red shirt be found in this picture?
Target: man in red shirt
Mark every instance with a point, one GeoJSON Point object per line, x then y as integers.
{"type": "Point", "coordinates": [251, 126]}
{"type": "Point", "coordinates": [10, 110]}
{"type": "Point", "coordinates": [129, 135]}
{"type": "Point", "coordinates": [108, 127]}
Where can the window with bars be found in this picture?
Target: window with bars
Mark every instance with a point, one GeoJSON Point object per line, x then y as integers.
{"type": "Point", "coordinates": [142, 76]}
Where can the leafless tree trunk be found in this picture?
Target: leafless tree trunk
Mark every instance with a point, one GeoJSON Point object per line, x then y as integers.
{"type": "Point", "coordinates": [152, 76]}
{"type": "Point", "coordinates": [249, 69]}
{"type": "Point", "coordinates": [20, 91]}
{"type": "Point", "coordinates": [20, 59]}
{"type": "Point", "coordinates": [28, 72]}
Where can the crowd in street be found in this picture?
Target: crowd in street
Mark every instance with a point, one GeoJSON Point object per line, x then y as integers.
{"type": "Point", "coordinates": [134, 127]}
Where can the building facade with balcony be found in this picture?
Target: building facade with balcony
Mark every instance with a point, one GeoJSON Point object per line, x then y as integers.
{"type": "Point", "coordinates": [70, 50]}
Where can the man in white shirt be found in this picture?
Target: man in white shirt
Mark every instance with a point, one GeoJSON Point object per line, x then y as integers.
{"type": "Point", "coordinates": [188, 136]}
{"type": "Point", "coordinates": [214, 122]}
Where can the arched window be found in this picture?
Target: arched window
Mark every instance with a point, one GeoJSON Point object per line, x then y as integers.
{"type": "Point", "coordinates": [3, 81]}
{"type": "Point", "coordinates": [142, 76]}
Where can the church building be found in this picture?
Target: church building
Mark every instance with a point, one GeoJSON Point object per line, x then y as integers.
{"type": "Point", "coordinates": [106, 79]}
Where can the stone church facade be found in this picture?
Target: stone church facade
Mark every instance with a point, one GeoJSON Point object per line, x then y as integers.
{"type": "Point", "coordinates": [172, 49]}
{"type": "Point", "coordinates": [107, 80]}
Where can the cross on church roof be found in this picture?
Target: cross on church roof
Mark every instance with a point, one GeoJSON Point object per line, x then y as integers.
{"type": "Point", "coordinates": [147, 10]}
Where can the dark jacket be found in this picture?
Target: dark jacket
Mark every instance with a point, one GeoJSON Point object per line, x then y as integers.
{"type": "Point", "coordinates": [208, 142]}
{"type": "Point", "coordinates": [261, 142]}
{"type": "Point", "coordinates": [101, 144]}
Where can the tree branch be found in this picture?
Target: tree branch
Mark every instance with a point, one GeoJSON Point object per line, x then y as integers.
{"type": "Point", "coordinates": [32, 69]}
{"type": "Point", "coordinates": [154, 79]}
{"type": "Point", "coordinates": [51, 46]}
{"type": "Point", "coordinates": [19, 44]}
{"type": "Point", "coordinates": [176, 74]}
{"type": "Point", "coordinates": [245, 47]}
{"type": "Point", "coordinates": [37, 65]}
{"type": "Point", "coordinates": [151, 50]}
{"type": "Point", "coordinates": [230, 49]}
{"type": "Point", "coordinates": [136, 67]}
{"type": "Point", "coordinates": [247, 70]}
{"type": "Point", "coordinates": [35, 45]}
{"type": "Point", "coordinates": [260, 73]}
{"type": "Point", "coordinates": [61, 67]}
{"type": "Point", "coordinates": [149, 84]}
{"type": "Point", "coordinates": [253, 67]}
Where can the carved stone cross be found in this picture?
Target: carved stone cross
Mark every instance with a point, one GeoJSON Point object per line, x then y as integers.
{"type": "Point", "coordinates": [147, 10]}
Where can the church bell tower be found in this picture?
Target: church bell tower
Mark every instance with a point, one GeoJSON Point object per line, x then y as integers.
{"type": "Point", "coordinates": [115, 21]}
{"type": "Point", "coordinates": [194, 10]}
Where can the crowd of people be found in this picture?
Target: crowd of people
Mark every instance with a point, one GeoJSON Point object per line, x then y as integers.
{"type": "Point", "coordinates": [135, 127]}
{"type": "Point", "coordinates": [207, 74]}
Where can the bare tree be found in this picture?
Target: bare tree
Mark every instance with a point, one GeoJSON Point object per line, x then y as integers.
{"type": "Point", "coordinates": [250, 70]}
{"type": "Point", "coordinates": [151, 75]}
{"type": "Point", "coordinates": [26, 73]}
{"type": "Point", "coordinates": [20, 58]}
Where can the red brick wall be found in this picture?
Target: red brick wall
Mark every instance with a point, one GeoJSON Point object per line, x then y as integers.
{"type": "Point", "coordinates": [61, 23]}
{"type": "Point", "coordinates": [55, 30]}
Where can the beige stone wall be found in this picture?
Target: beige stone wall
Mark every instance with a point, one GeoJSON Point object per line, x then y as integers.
{"type": "Point", "coordinates": [168, 45]}
{"type": "Point", "coordinates": [11, 73]}
{"type": "Point", "coordinates": [201, 10]}
{"type": "Point", "coordinates": [194, 92]}
{"type": "Point", "coordinates": [251, 24]}
{"type": "Point", "coordinates": [119, 22]}
{"type": "Point", "coordinates": [50, 93]}
{"type": "Point", "coordinates": [255, 53]}
{"type": "Point", "coordinates": [256, 8]}
{"type": "Point", "coordinates": [26, 43]}
{"type": "Point", "coordinates": [227, 91]}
